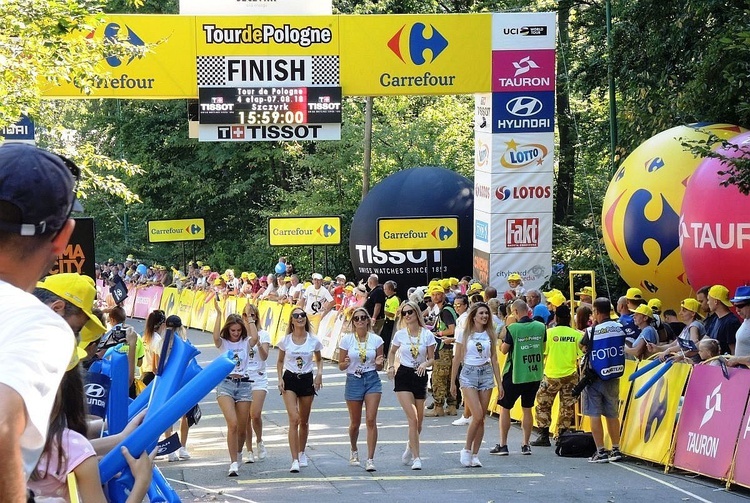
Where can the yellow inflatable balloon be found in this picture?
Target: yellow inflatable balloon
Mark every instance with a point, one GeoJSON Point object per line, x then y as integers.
{"type": "Point", "coordinates": [641, 211]}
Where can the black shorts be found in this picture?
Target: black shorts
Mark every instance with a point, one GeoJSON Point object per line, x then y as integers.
{"type": "Point", "coordinates": [407, 380]}
{"type": "Point", "coordinates": [527, 392]}
{"type": "Point", "coordinates": [301, 384]}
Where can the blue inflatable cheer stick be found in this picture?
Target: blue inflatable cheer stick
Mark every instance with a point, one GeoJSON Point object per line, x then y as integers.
{"type": "Point", "coordinates": [119, 398]}
{"type": "Point", "coordinates": [658, 375]}
{"type": "Point", "coordinates": [642, 370]}
{"type": "Point", "coordinates": [157, 421]}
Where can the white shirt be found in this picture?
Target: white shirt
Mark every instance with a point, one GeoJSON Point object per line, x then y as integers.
{"type": "Point", "coordinates": [298, 358]}
{"type": "Point", "coordinates": [477, 347]}
{"type": "Point", "coordinates": [314, 299]}
{"type": "Point", "coordinates": [256, 366]}
{"type": "Point", "coordinates": [36, 345]}
{"type": "Point", "coordinates": [240, 355]}
{"type": "Point", "coordinates": [413, 350]}
{"type": "Point", "coordinates": [350, 344]}
{"type": "Point", "coordinates": [742, 337]}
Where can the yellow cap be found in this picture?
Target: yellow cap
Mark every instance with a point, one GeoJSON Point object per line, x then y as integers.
{"type": "Point", "coordinates": [327, 279]}
{"type": "Point", "coordinates": [552, 293]}
{"type": "Point", "coordinates": [587, 291]}
{"type": "Point", "coordinates": [644, 310]}
{"type": "Point", "coordinates": [692, 305]}
{"type": "Point", "coordinates": [77, 289]}
{"type": "Point", "coordinates": [435, 289]}
{"type": "Point", "coordinates": [720, 293]}
{"type": "Point", "coordinates": [474, 287]}
{"type": "Point", "coordinates": [252, 276]}
{"type": "Point", "coordinates": [514, 277]}
{"type": "Point", "coordinates": [245, 275]}
{"type": "Point", "coordinates": [556, 300]}
{"type": "Point", "coordinates": [446, 284]}
{"type": "Point", "coordinates": [654, 304]}
{"type": "Point", "coordinates": [634, 294]}
{"type": "Point", "coordinates": [453, 281]}
{"type": "Point", "coordinates": [287, 278]}
{"type": "Point", "coordinates": [206, 268]}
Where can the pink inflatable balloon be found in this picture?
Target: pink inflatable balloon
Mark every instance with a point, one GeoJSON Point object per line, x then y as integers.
{"type": "Point", "coordinates": [715, 224]}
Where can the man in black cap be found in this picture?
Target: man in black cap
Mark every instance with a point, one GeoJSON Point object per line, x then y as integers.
{"type": "Point", "coordinates": [37, 196]}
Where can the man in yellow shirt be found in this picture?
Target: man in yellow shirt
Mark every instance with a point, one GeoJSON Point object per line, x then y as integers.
{"type": "Point", "coordinates": [560, 376]}
{"type": "Point", "coordinates": [391, 307]}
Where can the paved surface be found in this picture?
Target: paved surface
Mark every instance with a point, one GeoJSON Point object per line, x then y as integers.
{"type": "Point", "coordinates": [542, 477]}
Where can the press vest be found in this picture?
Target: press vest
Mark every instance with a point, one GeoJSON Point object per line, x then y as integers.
{"type": "Point", "coordinates": [607, 350]}
{"type": "Point", "coordinates": [526, 354]}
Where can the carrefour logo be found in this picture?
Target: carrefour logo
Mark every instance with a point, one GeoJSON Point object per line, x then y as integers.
{"type": "Point", "coordinates": [518, 156]}
{"type": "Point", "coordinates": [418, 43]}
{"type": "Point", "coordinates": [112, 34]}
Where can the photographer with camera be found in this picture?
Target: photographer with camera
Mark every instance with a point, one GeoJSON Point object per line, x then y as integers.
{"type": "Point", "coordinates": [124, 339]}
{"type": "Point", "coordinates": [604, 345]}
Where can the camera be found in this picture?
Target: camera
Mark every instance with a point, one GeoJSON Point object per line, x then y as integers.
{"type": "Point", "coordinates": [115, 336]}
{"type": "Point", "coordinates": [588, 377]}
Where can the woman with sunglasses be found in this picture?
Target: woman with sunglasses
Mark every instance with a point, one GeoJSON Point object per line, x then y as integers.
{"type": "Point", "coordinates": [234, 393]}
{"type": "Point", "coordinates": [361, 355]}
{"type": "Point", "coordinates": [299, 353]}
{"type": "Point", "coordinates": [256, 369]}
{"type": "Point", "coordinates": [476, 348]}
{"type": "Point", "coordinates": [415, 346]}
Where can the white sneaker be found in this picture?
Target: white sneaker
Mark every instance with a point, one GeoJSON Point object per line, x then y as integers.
{"type": "Point", "coordinates": [295, 467]}
{"type": "Point", "coordinates": [302, 459]}
{"type": "Point", "coordinates": [461, 421]}
{"type": "Point", "coordinates": [406, 457]}
{"type": "Point", "coordinates": [370, 466]}
{"type": "Point", "coordinates": [250, 457]}
{"type": "Point", "coordinates": [262, 452]}
{"type": "Point", "coordinates": [183, 453]}
{"type": "Point", "coordinates": [465, 457]}
{"type": "Point", "coordinates": [354, 458]}
{"type": "Point", "coordinates": [233, 470]}
{"type": "Point", "coordinates": [416, 464]}
{"type": "Point", "coordinates": [173, 456]}
{"type": "Point", "coordinates": [475, 463]}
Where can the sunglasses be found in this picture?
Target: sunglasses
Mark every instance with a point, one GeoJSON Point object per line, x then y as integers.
{"type": "Point", "coordinates": [299, 316]}
{"type": "Point", "coordinates": [407, 312]}
{"type": "Point", "coordinates": [740, 306]}
{"type": "Point", "coordinates": [359, 318]}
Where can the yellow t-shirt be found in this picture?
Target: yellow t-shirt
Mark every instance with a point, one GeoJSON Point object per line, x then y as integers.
{"type": "Point", "coordinates": [562, 351]}
{"type": "Point", "coordinates": [391, 307]}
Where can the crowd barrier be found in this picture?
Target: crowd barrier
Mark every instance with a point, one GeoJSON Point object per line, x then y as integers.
{"type": "Point", "coordinates": [692, 418]}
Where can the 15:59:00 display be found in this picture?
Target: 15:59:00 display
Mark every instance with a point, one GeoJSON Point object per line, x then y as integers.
{"type": "Point", "coordinates": [288, 117]}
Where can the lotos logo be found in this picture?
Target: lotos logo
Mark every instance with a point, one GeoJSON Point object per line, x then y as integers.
{"type": "Point", "coordinates": [522, 233]}
{"type": "Point", "coordinates": [525, 192]}
{"type": "Point", "coordinates": [482, 231]}
{"type": "Point", "coordinates": [524, 106]}
{"type": "Point", "coordinates": [482, 191]}
{"type": "Point", "coordinates": [112, 34]}
{"type": "Point", "coordinates": [418, 43]}
{"type": "Point", "coordinates": [521, 156]}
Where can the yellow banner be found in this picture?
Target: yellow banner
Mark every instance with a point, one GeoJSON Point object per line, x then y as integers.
{"type": "Point", "coordinates": [189, 229]}
{"type": "Point", "coordinates": [199, 311]}
{"type": "Point", "coordinates": [267, 35]}
{"type": "Point", "coordinates": [167, 71]}
{"type": "Point", "coordinates": [417, 233]}
{"type": "Point", "coordinates": [170, 301]}
{"type": "Point", "coordinates": [650, 420]}
{"type": "Point", "coordinates": [304, 231]}
{"type": "Point", "coordinates": [416, 54]}
{"type": "Point", "coordinates": [185, 308]}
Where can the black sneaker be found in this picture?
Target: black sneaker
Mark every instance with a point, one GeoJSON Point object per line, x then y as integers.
{"type": "Point", "coordinates": [599, 457]}
{"type": "Point", "coordinates": [526, 450]}
{"type": "Point", "coordinates": [615, 454]}
{"type": "Point", "coordinates": [499, 450]}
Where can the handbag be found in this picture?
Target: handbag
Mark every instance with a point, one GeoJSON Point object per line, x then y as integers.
{"type": "Point", "coordinates": [575, 444]}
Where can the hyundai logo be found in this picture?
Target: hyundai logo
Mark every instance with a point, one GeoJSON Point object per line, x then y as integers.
{"type": "Point", "coordinates": [94, 390]}
{"type": "Point", "coordinates": [524, 106]}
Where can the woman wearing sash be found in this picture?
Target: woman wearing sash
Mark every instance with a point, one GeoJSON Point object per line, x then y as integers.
{"type": "Point", "coordinates": [415, 346]}
{"type": "Point", "coordinates": [476, 348]}
{"type": "Point", "coordinates": [361, 355]}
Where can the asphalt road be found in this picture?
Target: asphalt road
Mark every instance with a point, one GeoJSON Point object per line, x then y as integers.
{"type": "Point", "coordinates": [542, 477]}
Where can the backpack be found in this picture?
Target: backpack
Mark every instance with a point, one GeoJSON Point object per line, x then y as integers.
{"type": "Point", "coordinates": [575, 444]}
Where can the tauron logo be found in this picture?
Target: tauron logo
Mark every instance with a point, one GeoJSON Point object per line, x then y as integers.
{"type": "Point", "coordinates": [524, 66]}
{"type": "Point", "coordinates": [418, 43]}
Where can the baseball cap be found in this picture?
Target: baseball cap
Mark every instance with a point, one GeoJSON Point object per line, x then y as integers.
{"type": "Point", "coordinates": [340, 276]}
{"type": "Point", "coordinates": [245, 275]}
{"type": "Point", "coordinates": [174, 321]}
{"type": "Point", "coordinates": [692, 305]}
{"type": "Point", "coordinates": [435, 289]}
{"type": "Point", "coordinates": [80, 291]}
{"type": "Point", "coordinates": [287, 279]}
{"type": "Point", "coordinates": [514, 277]}
{"type": "Point", "coordinates": [634, 294]}
{"type": "Point", "coordinates": [552, 293]}
{"type": "Point", "coordinates": [327, 279]}
{"type": "Point", "coordinates": [586, 290]}
{"type": "Point", "coordinates": [720, 293]}
{"type": "Point", "coordinates": [556, 300]}
{"type": "Point", "coordinates": [644, 310]}
{"type": "Point", "coordinates": [654, 304]}
{"type": "Point", "coordinates": [41, 185]}
{"type": "Point", "coordinates": [474, 287]}
{"type": "Point", "coordinates": [317, 276]}
{"type": "Point", "coordinates": [206, 268]}
{"type": "Point", "coordinates": [252, 276]}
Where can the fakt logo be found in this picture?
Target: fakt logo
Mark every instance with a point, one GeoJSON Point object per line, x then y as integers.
{"type": "Point", "coordinates": [112, 33]}
{"type": "Point", "coordinates": [418, 43]}
{"type": "Point", "coordinates": [522, 233]}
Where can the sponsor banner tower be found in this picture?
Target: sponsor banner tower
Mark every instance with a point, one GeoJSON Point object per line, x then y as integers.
{"type": "Point", "coordinates": [514, 153]}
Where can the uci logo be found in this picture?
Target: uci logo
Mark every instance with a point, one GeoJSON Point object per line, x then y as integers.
{"type": "Point", "coordinates": [94, 390]}
{"type": "Point", "coordinates": [418, 43]}
{"type": "Point", "coordinates": [524, 106]}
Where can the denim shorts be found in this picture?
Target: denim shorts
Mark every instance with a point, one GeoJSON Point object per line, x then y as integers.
{"type": "Point", "coordinates": [479, 377]}
{"type": "Point", "coordinates": [602, 398]}
{"type": "Point", "coordinates": [357, 387]}
{"type": "Point", "coordinates": [239, 391]}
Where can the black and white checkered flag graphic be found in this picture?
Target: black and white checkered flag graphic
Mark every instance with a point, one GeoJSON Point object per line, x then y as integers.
{"type": "Point", "coordinates": [211, 71]}
{"type": "Point", "coordinates": [325, 70]}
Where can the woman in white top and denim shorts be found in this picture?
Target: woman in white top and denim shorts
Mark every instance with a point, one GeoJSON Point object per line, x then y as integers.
{"type": "Point", "coordinates": [256, 371]}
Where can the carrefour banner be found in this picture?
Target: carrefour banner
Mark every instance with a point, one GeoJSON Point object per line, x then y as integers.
{"type": "Point", "coordinates": [165, 71]}
{"type": "Point", "coordinates": [415, 54]}
{"type": "Point", "coordinates": [710, 420]}
{"type": "Point", "coordinates": [650, 420]}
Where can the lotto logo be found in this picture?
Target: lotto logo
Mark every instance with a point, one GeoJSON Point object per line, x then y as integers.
{"type": "Point", "coordinates": [522, 233]}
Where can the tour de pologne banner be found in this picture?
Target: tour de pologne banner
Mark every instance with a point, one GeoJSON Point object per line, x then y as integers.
{"type": "Point", "coordinates": [649, 420]}
{"type": "Point", "coordinates": [710, 420]}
